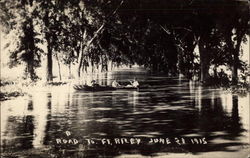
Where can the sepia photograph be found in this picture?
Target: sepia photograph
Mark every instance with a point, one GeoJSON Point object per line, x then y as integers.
{"type": "Point", "coordinates": [124, 78]}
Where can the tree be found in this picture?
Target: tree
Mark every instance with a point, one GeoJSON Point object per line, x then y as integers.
{"type": "Point", "coordinates": [128, 32]}
{"type": "Point", "coordinates": [26, 50]}
{"type": "Point", "coordinates": [234, 29]}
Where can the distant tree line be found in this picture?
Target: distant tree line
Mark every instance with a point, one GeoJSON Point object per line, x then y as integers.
{"type": "Point", "coordinates": [160, 35]}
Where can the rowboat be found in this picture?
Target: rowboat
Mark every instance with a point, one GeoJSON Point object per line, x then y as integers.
{"type": "Point", "coordinates": [93, 88]}
{"type": "Point", "coordinates": [101, 88]}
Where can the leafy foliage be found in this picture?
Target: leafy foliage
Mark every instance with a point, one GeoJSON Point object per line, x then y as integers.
{"type": "Point", "coordinates": [161, 36]}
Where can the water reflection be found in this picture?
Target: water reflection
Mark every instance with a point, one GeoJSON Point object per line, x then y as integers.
{"type": "Point", "coordinates": [171, 108]}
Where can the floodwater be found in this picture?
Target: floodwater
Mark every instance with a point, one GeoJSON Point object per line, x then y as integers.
{"type": "Point", "coordinates": [172, 118]}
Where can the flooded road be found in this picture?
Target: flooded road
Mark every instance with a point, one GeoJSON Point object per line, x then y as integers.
{"type": "Point", "coordinates": [174, 116]}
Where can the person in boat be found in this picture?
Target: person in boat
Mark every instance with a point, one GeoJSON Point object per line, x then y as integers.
{"type": "Point", "coordinates": [133, 83]}
{"type": "Point", "coordinates": [115, 84]}
{"type": "Point", "coordinates": [94, 84]}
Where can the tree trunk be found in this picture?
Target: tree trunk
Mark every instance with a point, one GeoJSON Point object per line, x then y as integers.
{"type": "Point", "coordinates": [49, 63]}
{"type": "Point", "coordinates": [204, 61]}
{"type": "Point", "coordinates": [235, 67]}
{"type": "Point", "coordinates": [180, 61]}
{"type": "Point", "coordinates": [236, 60]}
{"type": "Point", "coordinates": [59, 67]}
{"type": "Point", "coordinates": [69, 70]}
{"type": "Point", "coordinates": [49, 49]}
{"type": "Point", "coordinates": [31, 71]}
{"type": "Point", "coordinates": [80, 60]}
{"type": "Point", "coordinates": [92, 65]}
{"type": "Point", "coordinates": [31, 51]}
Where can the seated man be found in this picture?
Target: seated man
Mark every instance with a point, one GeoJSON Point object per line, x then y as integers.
{"type": "Point", "coordinates": [94, 84]}
{"type": "Point", "coordinates": [115, 84]}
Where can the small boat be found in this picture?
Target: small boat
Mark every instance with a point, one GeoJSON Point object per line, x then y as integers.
{"type": "Point", "coordinates": [102, 88]}
{"type": "Point", "coordinates": [95, 88]}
